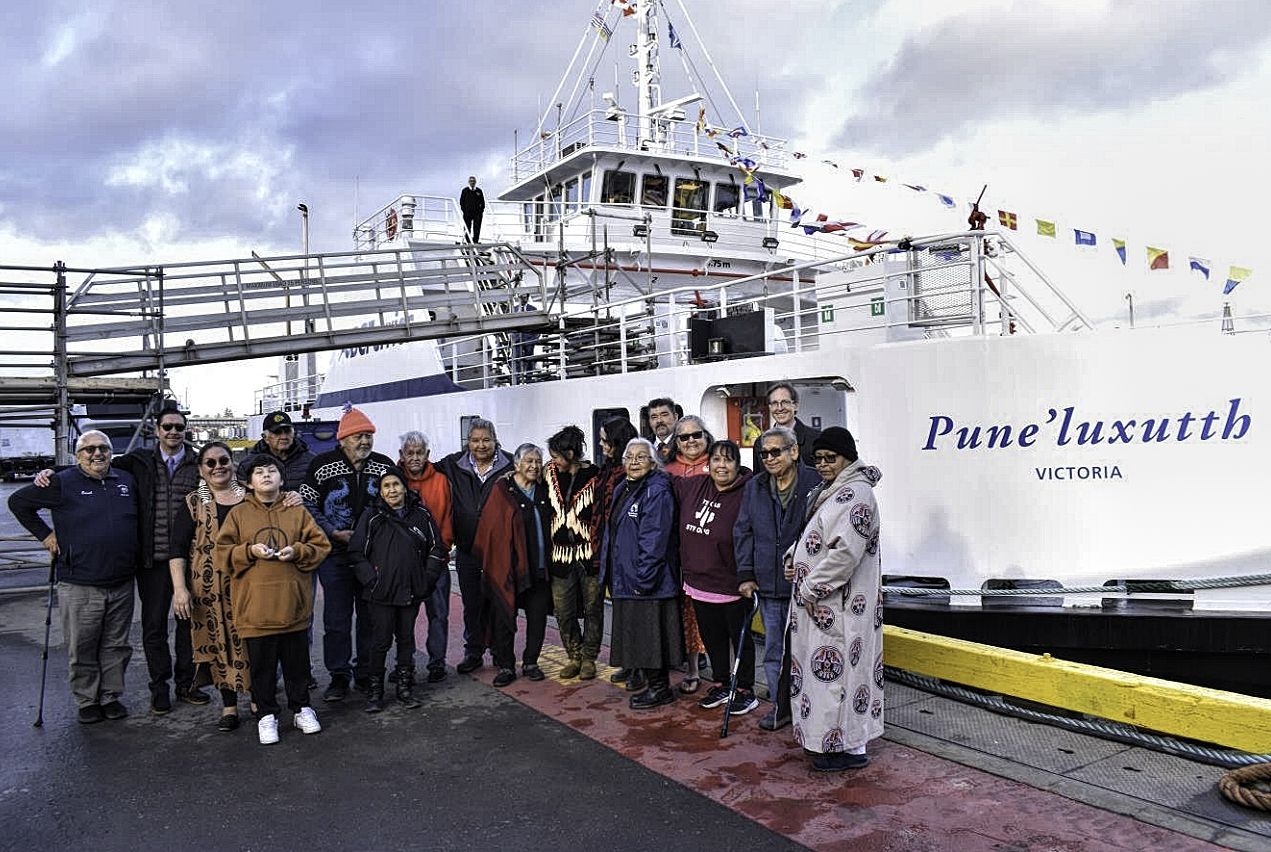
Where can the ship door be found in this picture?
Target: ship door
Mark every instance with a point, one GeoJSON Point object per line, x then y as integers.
{"type": "Point", "coordinates": [747, 418]}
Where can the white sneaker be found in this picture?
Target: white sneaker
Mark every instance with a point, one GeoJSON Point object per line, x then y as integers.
{"type": "Point", "coordinates": [307, 721]}
{"type": "Point", "coordinates": [267, 728]}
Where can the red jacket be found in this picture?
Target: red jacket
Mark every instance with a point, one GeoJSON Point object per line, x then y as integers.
{"type": "Point", "coordinates": [434, 490]}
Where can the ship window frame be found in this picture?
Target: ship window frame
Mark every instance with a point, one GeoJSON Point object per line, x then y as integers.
{"type": "Point", "coordinates": [539, 229]}
{"type": "Point", "coordinates": [694, 223]}
{"type": "Point", "coordinates": [645, 188]}
{"type": "Point", "coordinates": [584, 186]}
{"type": "Point", "coordinates": [609, 192]}
{"type": "Point", "coordinates": [733, 209]}
{"type": "Point", "coordinates": [571, 196]}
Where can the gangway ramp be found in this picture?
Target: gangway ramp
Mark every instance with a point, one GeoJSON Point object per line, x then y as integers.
{"type": "Point", "coordinates": [188, 314]}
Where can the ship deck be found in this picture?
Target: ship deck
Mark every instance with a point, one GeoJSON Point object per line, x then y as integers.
{"type": "Point", "coordinates": [562, 763]}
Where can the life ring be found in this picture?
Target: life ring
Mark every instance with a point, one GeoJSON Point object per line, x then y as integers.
{"type": "Point", "coordinates": [390, 223]}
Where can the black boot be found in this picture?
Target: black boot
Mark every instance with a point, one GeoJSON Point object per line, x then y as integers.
{"type": "Point", "coordinates": [406, 687]}
{"type": "Point", "coordinates": [375, 693]}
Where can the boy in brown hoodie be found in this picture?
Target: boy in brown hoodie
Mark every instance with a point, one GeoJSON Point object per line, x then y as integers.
{"type": "Point", "coordinates": [270, 548]}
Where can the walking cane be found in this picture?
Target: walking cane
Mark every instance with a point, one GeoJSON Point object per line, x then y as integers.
{"type": "Point", "coordinates": [732, 683]}
{"type": "Point", "coordinates": [48, 623]}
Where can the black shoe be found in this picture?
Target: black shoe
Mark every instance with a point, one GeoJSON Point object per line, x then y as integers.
{"type": "Point", "coordinates": [227, 723]}
{"type": "Point", "coordinates": [533, 672]}
{"type": "Point", "coordinates": [637, 681]}
{"type": "Point", "coordinates": [90, 715]}
{"type": "Point", "coordinates": [362, 684]}
{"type": "Point", "coordinates": [338, 690]}
{"type": "Point", "coordinates": [620, 676]}
{"type": "Point", "coordinates": [651, 698]}
{"type": "Point", "coordinates": [193, 695]}
{"type": "Point", "coordinates": [406, 687]}
{"type": "Point", "coordinates": [772, 722]}
{"type": "Point", "coordinates": [392, 676]}
{"type": "Point", "coordinates": [375, 694]}
{"type": "Point", "coordinates": [470, 664]}
{"type": "Point", "coordinates": [436, 673]}
{"type": "Point", "coordinates": [839, 762]}
{"type": "Point", "coordinates": [114, 710]}
{"type": "Point", "coordinates": [160, 703]}
{"type": "Point", "coordinates": [504, 677]}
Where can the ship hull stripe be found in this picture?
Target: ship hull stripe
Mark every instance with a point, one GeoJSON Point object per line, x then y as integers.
{"type": "Point", "coordinates": [401, 389]}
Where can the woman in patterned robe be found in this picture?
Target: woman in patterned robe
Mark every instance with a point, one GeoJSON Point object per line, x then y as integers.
{"type": "Point", "coordinates": [836, 612]}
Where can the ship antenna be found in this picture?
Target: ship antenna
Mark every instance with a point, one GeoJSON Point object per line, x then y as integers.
{"type": "Point", "coordinates": [542, 118]}
{"type": "Point", "coordinates": [706, 55]}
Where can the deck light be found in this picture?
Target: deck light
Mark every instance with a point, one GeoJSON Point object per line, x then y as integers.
{"type": "Point", "coordinates": [771, 242]}
{"type": "Point", "coordinates": [641, 231]}
{"type": "Point", "coordinates": [710, 237]}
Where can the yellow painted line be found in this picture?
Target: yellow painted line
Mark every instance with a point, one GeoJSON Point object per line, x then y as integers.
{"type": "Point", "coordinates": [1208, 715]}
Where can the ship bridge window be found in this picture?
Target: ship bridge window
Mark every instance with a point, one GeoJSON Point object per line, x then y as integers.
{"type": "Point", "coordinates": [727, 197]}
{"type": "Point", "coordinates": [618, 188]}
{"type": "Point", "coordinates": [689, 202]}
{"type": "Point", "coordinates": [571, 197]}
{"type": "Point", "coordinates": [553, 203]}
{"type": "Point", "coordinates": [586, 187]}
{"type": "Point", "coordinates": [653, 190]}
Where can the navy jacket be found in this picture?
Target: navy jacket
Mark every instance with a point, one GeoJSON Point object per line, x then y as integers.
{"type": "Point", "coordinates": [641, 554]}
{"type": "Point", "coordinates": [764, 531]}
{"type": "Point", "coordinates": [399, 559]}
{"type": "Point", "coordinates": [96, 522]}
{"type": "Point", "coordinates": [294, 467]}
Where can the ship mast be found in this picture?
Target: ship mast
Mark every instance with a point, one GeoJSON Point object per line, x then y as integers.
{"type": "Point", "coordinates": [648, 73]}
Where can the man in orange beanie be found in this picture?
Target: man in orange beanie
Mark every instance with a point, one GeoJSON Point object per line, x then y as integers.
{"type": "Point", "coordinates": [339, 485]}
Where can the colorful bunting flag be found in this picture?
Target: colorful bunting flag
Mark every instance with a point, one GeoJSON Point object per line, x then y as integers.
{"type": "Point", "coordinates": [701, 119]}
{"type": "Point", "coordinates": [1045, 229]}
{"type": "Point", "coordinates": [627, 7]}
{"type": "Point", "coordinates": [831, 164]}
{"type": "Point", "coordinates": [721, 146]}
{"type": "Point", "coordinates": [915, 187]}
{"type": "Point", "coordinates": [1009, 220]}
{"type": "Point", "coordinates": [1119, 245]}
{"type": "Point", "coordinates": [1083, 238]}
{"type": "Point", "coordinates": [757, 192]}
{"type": "Point", "coordinates": [675, 39]}
{"type": "Point", "coordinates": [863, 245]}
{"type": "Point", "coordinates": [1199, 264]}
{"type": "Point", "coordinates": [602, 29]}
{"type": "Point", "coordinates": [737, 132]}
{"type": "Point", "coordinates": [858, 174]}
{"type": "Point", "coordinates": [783, 202]}
{"type": "Point", "coordinates": [1157, 258]}
{"type": "Point", "coordinates": [711, 132]}
{"type": "Point", "coordinates": [799, 155]}
{"type": "Point", "coordinates": [812, 229]}
{"type": "Point", "coordinates": [946, 200]}
{"type": "Point", "coordinates": [880, 178]}
{"type": "Point", "coordinates": [1234, 276]}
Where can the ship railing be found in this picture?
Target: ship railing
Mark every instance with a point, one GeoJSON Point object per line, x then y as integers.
{"type": "Point", "coordinates": [288, 395]}
{"type": "Point", "coordinates": [930, 287]}
{"type": "Point", "coordinates": [615, 130]}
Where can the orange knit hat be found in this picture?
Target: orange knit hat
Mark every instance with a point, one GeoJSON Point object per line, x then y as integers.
{"type": "Point", "coordinates": [353, 422]}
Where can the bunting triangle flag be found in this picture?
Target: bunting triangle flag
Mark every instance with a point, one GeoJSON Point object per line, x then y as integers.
{"type": "Point", "coordinates": [1119, 245]}
{"type": "Point", "coordinates": [1157, 258]}
{"type": "Point", "coordinates": [1199, 264]}
{"type": "Point", "coordinates": [1235, 275]}
{"type": "Point", "coordinates": [1045, 229]}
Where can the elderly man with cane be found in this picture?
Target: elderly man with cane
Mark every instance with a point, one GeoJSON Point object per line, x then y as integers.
{"type": "Point", "coordinates": [95, 546]}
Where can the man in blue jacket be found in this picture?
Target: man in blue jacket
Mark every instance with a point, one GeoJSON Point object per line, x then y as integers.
{"type": "Point", "coordinates": [773, 505]}
{"type": "Point", "coordinates": [96, 550]}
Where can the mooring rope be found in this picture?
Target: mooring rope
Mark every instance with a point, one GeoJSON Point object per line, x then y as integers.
{"type": "Point", "coordinates": [1132, 586]}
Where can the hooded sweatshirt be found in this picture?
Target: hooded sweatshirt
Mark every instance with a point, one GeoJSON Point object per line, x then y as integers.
{"type": "Point", "coordinates": [270, 596]}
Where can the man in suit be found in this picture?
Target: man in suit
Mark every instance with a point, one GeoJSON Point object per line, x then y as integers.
{"type": "Point", "coordinates": [662, 414]}
{"type": "Point", "coordinates": [472, 204]}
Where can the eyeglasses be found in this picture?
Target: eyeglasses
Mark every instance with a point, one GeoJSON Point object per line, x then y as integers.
{"type": "Point", "coordinates": [781, 403]}
{"type": "Point", "coordinates": [772, 453]}
{"type": "Point", "coordinates": [637, 459]}
{"type": "Point", "coordinates": [825, 458]}
{"type": "Point", "coordinates": [690, 436]}
{"type": "Point", "coordinates": [220, 461]}
{"type": "Point", "coordinates": [95, 449]}
{"type": "Point", "coordinates": [172, 427]}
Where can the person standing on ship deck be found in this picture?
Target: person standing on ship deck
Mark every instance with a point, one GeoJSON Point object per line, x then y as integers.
{"type": "Point", "coordinates": [773, 507]}
{"type": "Point", "coordinates": [423, 477]}
{"type": "Point", "coordinates": [576, 591]}
{"type": "Point", "coordinates": [96, 548]}
{"type": "Point", "coordinates": [472, 204]}
{"type": "Point", "coordinates": [662, 414]}
{"type": "Point", "coordinates": [836, 611]}
{"type": "Point", "coordinates": [691, 459]}
{"type": "Point", "coordinates": [340, 484]}
{"type": "Point", "coordinates": [472, 472]}
{"type": "Point", "coordinates": [512, 541]}
{"type": "Point", "coordinates": [783, 408]}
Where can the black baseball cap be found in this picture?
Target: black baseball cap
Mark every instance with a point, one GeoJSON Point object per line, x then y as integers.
{"type": "Point", "coordinates": [277, 421]}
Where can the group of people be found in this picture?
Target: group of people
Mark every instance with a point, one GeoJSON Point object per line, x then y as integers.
{"type": "Point", "coordinates": [684, 538]}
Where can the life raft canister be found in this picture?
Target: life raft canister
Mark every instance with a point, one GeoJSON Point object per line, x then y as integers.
{"type": "Point", "coordinates": [390, 223]}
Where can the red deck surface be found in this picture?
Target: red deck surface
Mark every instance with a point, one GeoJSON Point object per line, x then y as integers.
{"type": "Point", "coordinates": [904, 800]}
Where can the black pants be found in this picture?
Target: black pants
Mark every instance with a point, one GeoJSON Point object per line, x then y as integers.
{"type": "Point", "coordinates": [154, 587]}
{"type": "Point", "coordinates": [390, 622]}
{"type": "Point", "coordinates": [720, 624]}
{"type": "Point", "coordinates": [473, 224]}
{"type": "Point", "coordinates": [291, 650]}
{"type": "Point", "coordinates": [536, 601]}
{"type": "Point", "coordinates": [468, 567]}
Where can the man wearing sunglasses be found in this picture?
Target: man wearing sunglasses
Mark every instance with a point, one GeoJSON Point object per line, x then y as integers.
{"type": "Point", "coordinates": [96, 551]}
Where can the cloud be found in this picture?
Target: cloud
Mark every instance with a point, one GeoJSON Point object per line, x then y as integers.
{"type": "Point", "coordinates": [1041, 61]}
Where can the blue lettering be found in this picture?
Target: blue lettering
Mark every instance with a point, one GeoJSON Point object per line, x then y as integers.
{"type": "Point", "coordinates": [1243, 420]}
{"type": "Point", "coordinates": [933, 434]}
{"type": "Point", "coordinates": [999, 436]}
{"type": "Point", "coordinates": [1028, 435]}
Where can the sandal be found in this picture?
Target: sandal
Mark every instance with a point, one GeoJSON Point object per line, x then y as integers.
{"type": "Point", "coordinates": [690, 685]}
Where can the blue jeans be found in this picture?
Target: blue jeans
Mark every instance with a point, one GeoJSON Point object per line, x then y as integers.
{"type": "Point", "coordinates": [341, 598]}
{"type": "Point", "coordinates": [437, 608]}
{"type": "Point", "coordinates": [773, 612]}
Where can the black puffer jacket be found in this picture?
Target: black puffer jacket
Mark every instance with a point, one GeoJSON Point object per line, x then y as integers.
{"type": "Point", "coordinates": [399, 558]}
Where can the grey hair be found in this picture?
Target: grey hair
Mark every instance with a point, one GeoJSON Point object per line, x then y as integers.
{"type": "Point", "coordinates": [787, 436]}
{"type": "Point", "coordinates": [482, 423]}
{"type": "Point", "coordinates": [701, 424]}
{"type": "Point", "coordinates": [524, 450]}
{"type": "Point", "coordinates": [648, 445]}
{"type": "Point", "coordinates": [95, 433]}
{"type": "Point", "coordinates": [415, 437]}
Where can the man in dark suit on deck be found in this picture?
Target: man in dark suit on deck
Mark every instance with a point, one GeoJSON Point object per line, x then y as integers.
{"type": "Point", "coordinates": [472, 204]}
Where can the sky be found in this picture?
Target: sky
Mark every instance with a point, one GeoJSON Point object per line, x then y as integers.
{"type": "Point", "coordinates": [144, 131]}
